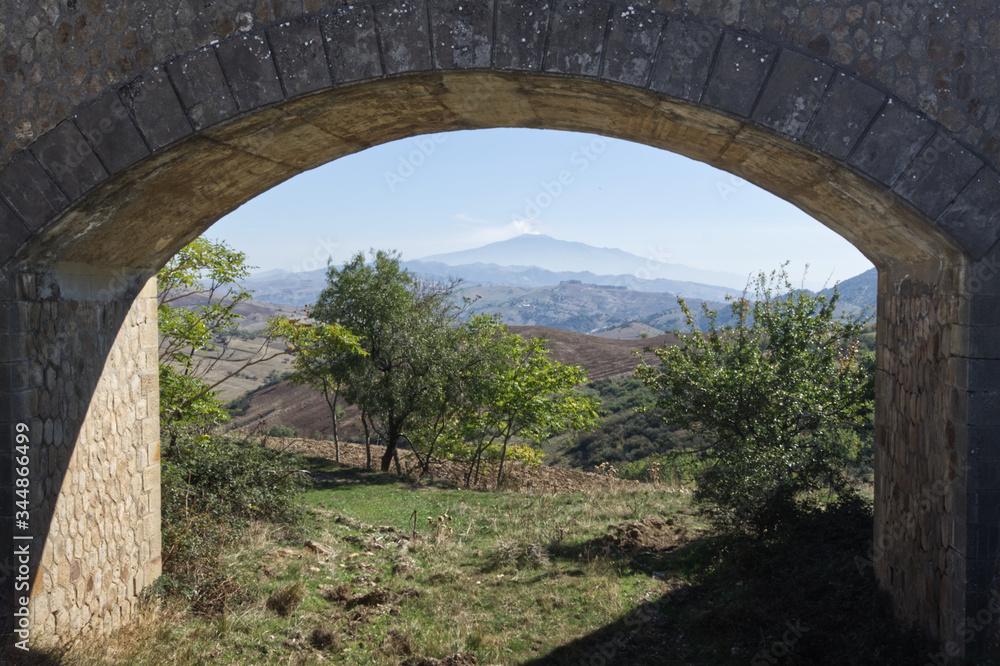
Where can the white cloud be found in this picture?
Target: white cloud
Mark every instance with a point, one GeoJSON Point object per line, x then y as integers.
{"type": "Point", "coordinates": [462, 217]}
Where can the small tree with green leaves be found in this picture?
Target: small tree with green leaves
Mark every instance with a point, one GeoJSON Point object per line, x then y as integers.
{"type": "Point", "coordinates": [323, 357]}
{"type": "Point", "coordinates": [523, 394]}
{"type": "Point", "coordinates": [773, 392]}
{"type": "Point", "coordinates": [198, 295]}
{"type": "Point", "coordinates": [403, 327]}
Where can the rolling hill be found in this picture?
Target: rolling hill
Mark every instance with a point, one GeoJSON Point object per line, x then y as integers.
{"type": "Point", "coordinates": [305, 410]}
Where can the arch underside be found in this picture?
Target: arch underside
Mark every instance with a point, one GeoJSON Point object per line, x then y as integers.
{"type": "Point", "coordinates": [140, 218]}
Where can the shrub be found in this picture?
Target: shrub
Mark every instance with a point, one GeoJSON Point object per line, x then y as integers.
{"type": "Point", "coordinates": [282, 431]}
{"type": "Point", "coordinates": [211, 490]}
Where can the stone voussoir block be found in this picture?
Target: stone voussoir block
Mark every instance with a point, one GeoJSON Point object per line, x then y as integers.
{"type": "Point", "coordinates": [301, 56]}
{"type": "Point", "coordinates": [847, 109]}
{"type": "Point", "coordinates": [461, 33]}
{"type": "Point", "coordinates": [937, 175]}
{"type": "Point", "coordinates": [249, 68]}
{"type": "Point", "coordinates": [202, 87]}
{"type": "Point", "coordinates": [633, 38]}
{"type": "Point", "coordinates": [740, 71]}
{"type": "Point", "coordinates": [403, 34]}
{"type": "Point", "coordinates": [106, 124]}
{"type": "Point", "coordinates": [684, 60]}
{"type": "Point", "coordinates": [352, 43]}
{"type": "Point", "coordinates": [520, 33]}
{"type": "Point", "coordinates": [13, 233]}
{"type": "Point", "coordinates": [157, 111]}
{"type": "Point", "coordinates": [897, 135]}
{"type": "Point", "coordinates": [30, 192]}
{"type": "Point", "coordinates": [69, 159]}
{"type": "Point", "coordinates": [793, 93]}
{"type": "Point", "coordinates": [576, 37]}
{"type": "Point", "coordinates": [973, 219]}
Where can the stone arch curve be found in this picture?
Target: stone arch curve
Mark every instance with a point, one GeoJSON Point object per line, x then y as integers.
{"type": "Point", "coordinates": [91, 207]}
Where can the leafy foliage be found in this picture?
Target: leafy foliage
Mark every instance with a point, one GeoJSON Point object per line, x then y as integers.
{"type": "Point", "coordinates": [771, 392]}
{"type": "Point", "coordinates": [211, 489]}
{"type": "Point", "coordinates": [199, 292]}
{"type": "Point", "coordinates": [401, 326]}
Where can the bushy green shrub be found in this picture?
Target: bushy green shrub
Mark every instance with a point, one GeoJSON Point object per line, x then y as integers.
{"type": "Point", "coordinates": [211, 489]}
{"type": "Point", "coordinates": [282, 431]}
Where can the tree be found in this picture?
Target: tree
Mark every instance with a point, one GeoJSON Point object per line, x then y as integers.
{"type": "Point", "coordinates": [525, 394]}
{"type": "Point", "coordinates": [403, 327]}
{"type": "Point", "coordinates": [199, 292]}
{"type": "Point", "coordinates": [773, 392]}
{"type": "Point", "coordinates": [324, 355]}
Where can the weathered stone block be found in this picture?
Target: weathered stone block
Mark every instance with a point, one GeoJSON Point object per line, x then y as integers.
{"type": "Point", "coordinates": [112, 134]}
{"type": "Point", "coordinates": [685, 59]}
{"type": "Point", "coordinates": [792, 94]}
{"type": "Point", "coordinates": [739, 73]}
{"type": "Point", "coordinates": [351, 42]}
{"type": "Point", "coordinates": [12, 233]}
{"type": "Point", "coordinates": [69, 159]}
{"type": "Point", "coordinates": [250, 71]}
{"type": "Point", "coordinates": [576, 38]}
{"type": "Point", "coordinates": [157, 111]}
{"type": "Point", "coordinates": [202, 87]}
{"type": "Point", "coordinates": [974, 218]}
{"type": "Point", "coordinates": [403, 32]}
{"type": "Point", "coordinates": [984, 375]}
{"type": "Point", "coordinates": [301, 57]}
{"type": "Point", "coordinates": [633, 37]}
{"type": "Point", "coordinates": [30, 192]}
{"type": "Point", "coordinates": [984, 408]}
{"type": "Point", "coordinates": [520, 33]}
{"type": "Point", "coordinates": [845, 112]}
{"type": "Point", "coordinates": [937, 175]}
{"type": "Point", "coordinates": [461, 33]}
{"type": "Point", "coordinates": [896, 137]}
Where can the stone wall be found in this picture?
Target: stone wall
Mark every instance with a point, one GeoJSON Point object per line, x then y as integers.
{"type": "Point", "coordinates": [940, 58]}
{"type": "Point", "coordinates": [920, 444]}
{"type": "Point", "coordinates": [84, 355]}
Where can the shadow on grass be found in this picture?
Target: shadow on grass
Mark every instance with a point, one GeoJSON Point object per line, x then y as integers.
{"type": "Point", "coordinates": [329, 475]}
{"type": "Point", "coordinates": [14, 656]}
{"type": "Point", "coordinates": [803, 595]}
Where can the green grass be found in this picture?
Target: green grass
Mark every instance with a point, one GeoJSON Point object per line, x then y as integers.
{"type": "Point", "coordinates": [524, 579]}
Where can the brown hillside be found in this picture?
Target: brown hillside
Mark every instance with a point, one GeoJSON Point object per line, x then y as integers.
{"type": "Point", "coordinates": [305, 409]}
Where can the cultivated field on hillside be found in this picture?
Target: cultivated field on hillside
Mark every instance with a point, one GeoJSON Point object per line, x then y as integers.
{"type": "Point", "coordinates": [305, 410]}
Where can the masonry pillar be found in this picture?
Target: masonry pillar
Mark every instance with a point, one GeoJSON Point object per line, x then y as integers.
{"type": "Point", "coordinates": [937, 491]}
{"type": "Point", "coordinates": [78, 375]}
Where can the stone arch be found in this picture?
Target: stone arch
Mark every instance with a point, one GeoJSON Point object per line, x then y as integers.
{"type": "Point", "coordinates": [91, 208]}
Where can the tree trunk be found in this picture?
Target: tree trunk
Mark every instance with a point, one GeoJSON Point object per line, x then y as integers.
{"type": "Point", "coordinates": [390, 449]}
{"type": "Point", "coordinates": [333, 416]}
{"type": "Point", "coordinates": [368, 440]}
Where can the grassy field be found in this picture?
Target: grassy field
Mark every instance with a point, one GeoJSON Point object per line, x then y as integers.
{"type": "Point", "coordinates": [383, 571]}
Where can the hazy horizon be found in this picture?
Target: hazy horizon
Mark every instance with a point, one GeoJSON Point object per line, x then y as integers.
{"type": "Point", "coordinates": [442, 193]}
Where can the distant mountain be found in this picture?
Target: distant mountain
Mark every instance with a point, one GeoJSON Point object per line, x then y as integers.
{"type": "Point", "coordinates": [541, 251]}
{"type": "Point", "coordinates": [860, 291]}
{"type": "Point", "coordinates": [301, 288]}
{"type": "Point", "coordinates": [532, 276]}
{"type": "Point", "coordinates": [579, 307]}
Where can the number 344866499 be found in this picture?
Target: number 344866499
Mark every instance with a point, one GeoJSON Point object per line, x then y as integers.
{"type": "Point", "coordinates": [22, 441]}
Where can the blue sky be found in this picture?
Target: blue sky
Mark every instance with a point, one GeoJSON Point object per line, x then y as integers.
{"type": "Point", "coordinates": [458, 190]}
